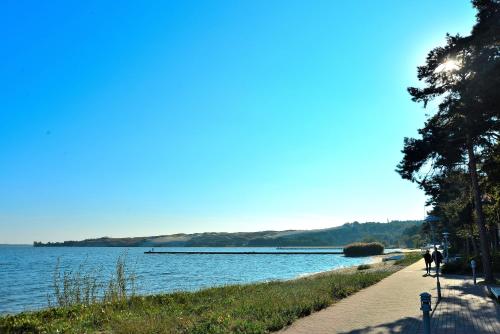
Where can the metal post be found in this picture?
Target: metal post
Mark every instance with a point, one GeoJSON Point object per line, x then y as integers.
{"type": "Point", "coordinates": [438, 284]}
{"type": "Point", "coordinates": [425, 306]}
{"type": "Point", "coordinates": [473, 266]}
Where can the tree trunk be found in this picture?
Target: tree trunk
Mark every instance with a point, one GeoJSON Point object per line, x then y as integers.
{"type": "Point", "coordinates": [496, 228]}
{"type": "Point", "coordinates": [467, 248]}
{"type": "Point", "coordinates": [474, 246]}
{"type": "Point", "coordinates": [478, 208]}
{"type": "Point", "coordinates": [494, 234]}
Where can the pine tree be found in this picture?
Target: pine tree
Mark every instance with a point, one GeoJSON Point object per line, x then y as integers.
{"type": "Point", "coordinates": [464, 77]}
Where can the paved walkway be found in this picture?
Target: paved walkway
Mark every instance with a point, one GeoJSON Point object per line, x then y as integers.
{"type": "Point", "coordinates": [465, 309]}
{"type": "Point", "coordinates": [393, 306]}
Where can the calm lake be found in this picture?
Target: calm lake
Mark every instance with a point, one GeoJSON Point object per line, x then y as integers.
{"type": "Point", "coordinates": [26, 273]}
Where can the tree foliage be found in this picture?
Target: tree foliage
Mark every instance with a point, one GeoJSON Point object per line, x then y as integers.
{"type": "Point", "coordinates": [455, 158]}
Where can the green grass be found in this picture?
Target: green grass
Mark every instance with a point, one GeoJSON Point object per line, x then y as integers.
{"type": "Point", "coordinates": [409, 258]}
{"type": "Point", "coordinates": [253, 308]}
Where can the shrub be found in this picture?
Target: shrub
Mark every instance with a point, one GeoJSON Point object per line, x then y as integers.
{"type": "Point", "coordinates": [455, 267]}
{"type": "Point", "coordinates": [364, 249]}
{"type": "Point", "coordinates": [364, 266]}
{"type": "Point", "coordinates": [462, 265]}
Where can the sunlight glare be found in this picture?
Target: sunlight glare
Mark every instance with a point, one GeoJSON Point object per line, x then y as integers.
{"type": "Point", "coordinates": [448, 66]}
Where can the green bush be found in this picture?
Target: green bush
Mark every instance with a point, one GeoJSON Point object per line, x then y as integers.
{"type": "Point", "coordinates": [462, 265]}
{"type": "Point", "coordinates": [456, 267]}
{"type": "Point", "coordinates": [364, 266]}
{"type": "Point", "coordinates": [364, 249]}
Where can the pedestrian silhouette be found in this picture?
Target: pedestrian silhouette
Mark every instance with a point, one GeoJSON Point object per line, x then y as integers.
{"type": "Point", "coordinates": [428, 262]}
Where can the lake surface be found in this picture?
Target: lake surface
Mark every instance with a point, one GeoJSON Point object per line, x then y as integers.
{"type": "Point", "coordinates": [26, 273]}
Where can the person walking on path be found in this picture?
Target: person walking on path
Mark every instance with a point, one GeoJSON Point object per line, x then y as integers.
{"type": "Point", "coordinates": [437, 257]}
{"type": "Point", "coordinates": [428, 262]}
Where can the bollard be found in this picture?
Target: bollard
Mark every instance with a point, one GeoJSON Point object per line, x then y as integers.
{"type": "Point", "coordinates": [425, 306]}
{"type": "Point", "coordinates": [473, 266]}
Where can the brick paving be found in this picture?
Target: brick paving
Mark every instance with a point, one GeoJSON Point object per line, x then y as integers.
{"type": "Point", "coordinates": [393, 306]}
{"type": "Point", "coordinates": [465, 308]}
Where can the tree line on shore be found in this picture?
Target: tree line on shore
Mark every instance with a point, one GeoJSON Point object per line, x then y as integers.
{"type": "Point", "coordinates": [456, 157]}
{"type": "Point", "coordinates": [394, 233]}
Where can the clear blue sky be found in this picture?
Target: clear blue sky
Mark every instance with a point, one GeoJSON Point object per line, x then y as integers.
{"type": "Point", "coordinates": [154, 117]}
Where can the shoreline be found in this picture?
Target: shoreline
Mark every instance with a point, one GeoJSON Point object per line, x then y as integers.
{"type": "Point", "coordinates": [374, 260]}
{"type": "Point", "coordinates": [377, 264]}
{"type": "Point", "coordinates": [255, 307]}
{"type": "Point", "coordinates": [173, 288]}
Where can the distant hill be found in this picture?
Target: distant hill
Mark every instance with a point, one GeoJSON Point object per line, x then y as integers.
{"type": "Point", "coordinates": [395, 233]}
{"type": "Point", "coordinates": [14, 245]}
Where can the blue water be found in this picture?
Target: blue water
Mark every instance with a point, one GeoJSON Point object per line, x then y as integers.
{"type": "Point", "coordinates": [26, 273]}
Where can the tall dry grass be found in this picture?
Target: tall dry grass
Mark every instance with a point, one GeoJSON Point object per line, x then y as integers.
{"type": "Point", "coordinates": [87, 285]}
